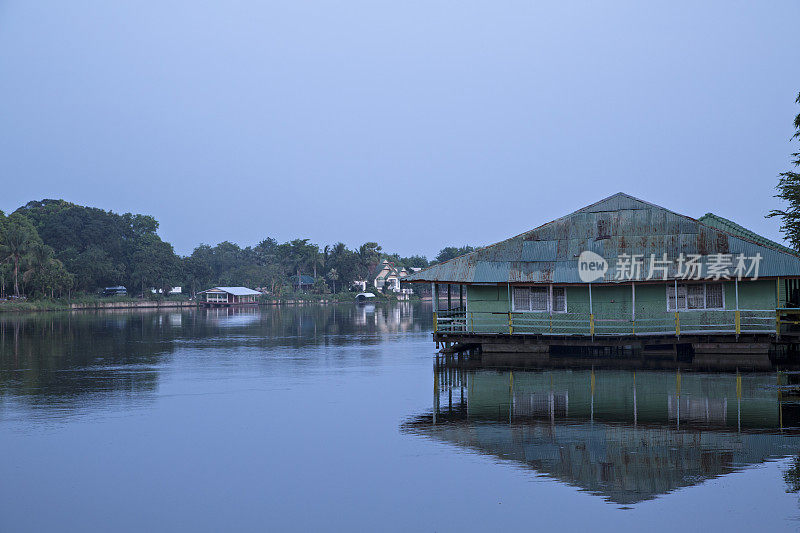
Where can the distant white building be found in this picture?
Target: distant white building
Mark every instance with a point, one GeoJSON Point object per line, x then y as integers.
{"type": "Point", "coordinates": [173, 290]}
{"type": "Point", "coordinates": [388, 275]}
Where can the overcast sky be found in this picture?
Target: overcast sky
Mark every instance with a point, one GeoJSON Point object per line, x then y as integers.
{"type": "Point", "coordinates": [415, 124]}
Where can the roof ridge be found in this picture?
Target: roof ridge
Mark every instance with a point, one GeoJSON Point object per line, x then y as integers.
{"type": "Point", "coordinates": [778, 247]}
{"type": "Point", "coordinates": [545, 224]}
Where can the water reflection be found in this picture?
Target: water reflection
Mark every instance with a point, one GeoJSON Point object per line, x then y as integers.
{"type": "Point", "coordinates": [623, 435]}
{"type": "Point", "coordinates": [60, 361]}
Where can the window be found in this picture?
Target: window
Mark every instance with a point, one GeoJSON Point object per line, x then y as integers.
{"type": "Point", "coordinates": [540, 299]}
{"type": "Point", "coordinates": [522, 298]}
{"type": "Point", "coordinates": [694, 296]}
{"type": "Point", "coordinates": [559, 299]}
{"type": "Point", "coordinates": [714, 296]}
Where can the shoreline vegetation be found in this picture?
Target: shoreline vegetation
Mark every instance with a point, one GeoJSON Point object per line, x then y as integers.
{"type": "Point", "coordinates": [118, 302]}
{"type": "Point", "coordinates": [58, 255]}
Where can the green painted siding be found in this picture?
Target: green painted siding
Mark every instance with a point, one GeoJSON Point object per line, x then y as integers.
{"type": "Point", "coordinates": [612, 307]}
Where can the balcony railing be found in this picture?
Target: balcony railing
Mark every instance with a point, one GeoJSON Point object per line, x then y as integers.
{"type": "Point", "coordinates": [742, 321]}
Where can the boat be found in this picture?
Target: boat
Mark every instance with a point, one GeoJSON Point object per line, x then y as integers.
{"type": "Point", "coordinates": [364, 297]}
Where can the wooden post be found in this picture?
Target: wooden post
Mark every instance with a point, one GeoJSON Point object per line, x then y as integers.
{"type": "Point", "coordinates": [676, 296]}
{"type": "Point", "coordinates": [510, 324]}
{"type": "Point", "coordinates": [677, 324]}
{"type": "Point", "coordinates": [738, 401]}
{"type": "Point", "coordinates": [435, 304]}
{"type": "Point", "coordinates": [510, 394]}
{"type": "Point", "coordinates": [449, 301]}
{"type": "Point", "coordinates": [435, 392]}
{"type": "Point", "coordinates": [591, 388]}
{"type": "Point", "coordinates": [633, 308]}
{"type": "Point", "coordinates": [738, 317]}
{"type": "Point", "coordinates": [635, 414]}
{"type": "Point", "coordinates": [678, 391]}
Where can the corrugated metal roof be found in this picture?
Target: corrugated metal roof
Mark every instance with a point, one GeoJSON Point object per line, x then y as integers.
{"type": "Point", "coordinates": [236, 291]}
{"type": "Point", "coordinates": [716, 221]}
{"type": "Point", "coordinates": [619, 224]}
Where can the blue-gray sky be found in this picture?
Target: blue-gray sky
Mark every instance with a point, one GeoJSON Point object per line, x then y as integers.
{"type": "Point", "coordinates": [417, 124]}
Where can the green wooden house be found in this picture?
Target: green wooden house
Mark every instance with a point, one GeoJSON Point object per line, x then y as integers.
{"type": "Point", "coordinates": [617, 270]}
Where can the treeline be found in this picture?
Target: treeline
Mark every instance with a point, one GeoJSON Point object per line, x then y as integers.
{"type": "Point", "coordinates": [52, 248]}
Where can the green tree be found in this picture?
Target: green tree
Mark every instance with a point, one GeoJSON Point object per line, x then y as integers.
{"type": "Point", "coordinates": [789, 191]}
{"type": "Point", "coordinates": [320, 287]}
{"type": "Point", "coordinates": [196, 273]}
{"type": "Point", "coordinates": [301, 256]}
{"type": "Point", "coordinates": [450, 252]}
{"type": "Point", "coordinates": [18, 236]}
{"type": "Point", "coordinates": [333, 275]}
{"type": "Point", "coordinates": [156, 265]}
{"type": "Point", "coordinates": [369, 255]}
{"type": "Point", "coordinates": [44, 273]}
{"type": "Point", "coordinates": [98, 246]}
{"type": "Point", "coordinates": [6, 275]}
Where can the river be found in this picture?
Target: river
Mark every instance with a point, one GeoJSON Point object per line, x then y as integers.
{"type": "Point", "coordinates": [334, 418]}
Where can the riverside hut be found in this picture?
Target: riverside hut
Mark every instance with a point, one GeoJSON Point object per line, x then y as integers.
{"type": "Point", "coordinates": [621, 274]}
{"type": "Point", "coordinates": [228, 296]}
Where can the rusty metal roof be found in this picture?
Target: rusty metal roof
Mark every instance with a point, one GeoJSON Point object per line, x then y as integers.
{"type": "Point", "coordinates": [619, 224]}
{"type": "Point", "coordinates": [716, 221]}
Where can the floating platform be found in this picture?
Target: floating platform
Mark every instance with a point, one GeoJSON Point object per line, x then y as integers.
{"type": "Point", "coordinates": [700, 351]}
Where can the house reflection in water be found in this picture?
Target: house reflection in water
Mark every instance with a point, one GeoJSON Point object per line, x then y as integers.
{"type": "Point", "coordinates": [388, 319]}
{"type": "Point", "coordinates": [623, 435]}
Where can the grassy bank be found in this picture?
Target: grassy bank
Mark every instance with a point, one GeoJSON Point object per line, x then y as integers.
{"type": "Point", "coordinates": [80, 301]}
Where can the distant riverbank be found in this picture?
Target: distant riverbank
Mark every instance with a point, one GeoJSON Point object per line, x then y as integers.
{"type": "Point", "coordinates": [88, 303]}
{"type": "Point", "coordinates": [25, 306]}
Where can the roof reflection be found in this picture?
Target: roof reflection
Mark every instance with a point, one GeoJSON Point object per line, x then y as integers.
{"type": "Point", "coordinates": [625, 436]}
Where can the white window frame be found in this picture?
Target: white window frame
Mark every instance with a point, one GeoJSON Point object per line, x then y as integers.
{"type": "Point", "coordinates": [671, 292]}
{"type": "Point", "coordinates": [530, 300]}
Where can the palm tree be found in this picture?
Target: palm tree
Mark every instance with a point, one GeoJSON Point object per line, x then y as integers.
{"type": "Point", "coordinates": [18, 235]}
{"type": "Point", "coordinates": [333, 276]}
{"type": "Point", "coordinates": [38, 259]}
{"type": "Point", "coordinates": [322, 258]}
{"type": "Point", "coordinates": [369, 254]}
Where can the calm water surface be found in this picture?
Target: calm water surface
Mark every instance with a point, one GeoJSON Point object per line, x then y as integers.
{"type": "Point", "coordinates": [333, 418]}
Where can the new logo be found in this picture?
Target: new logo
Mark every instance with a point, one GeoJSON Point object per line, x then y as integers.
{"type": "Point", "coordinates": [591, 266]}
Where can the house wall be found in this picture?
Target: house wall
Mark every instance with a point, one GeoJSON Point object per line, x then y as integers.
{"type": "Point", "coordinates": [612, 308]}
